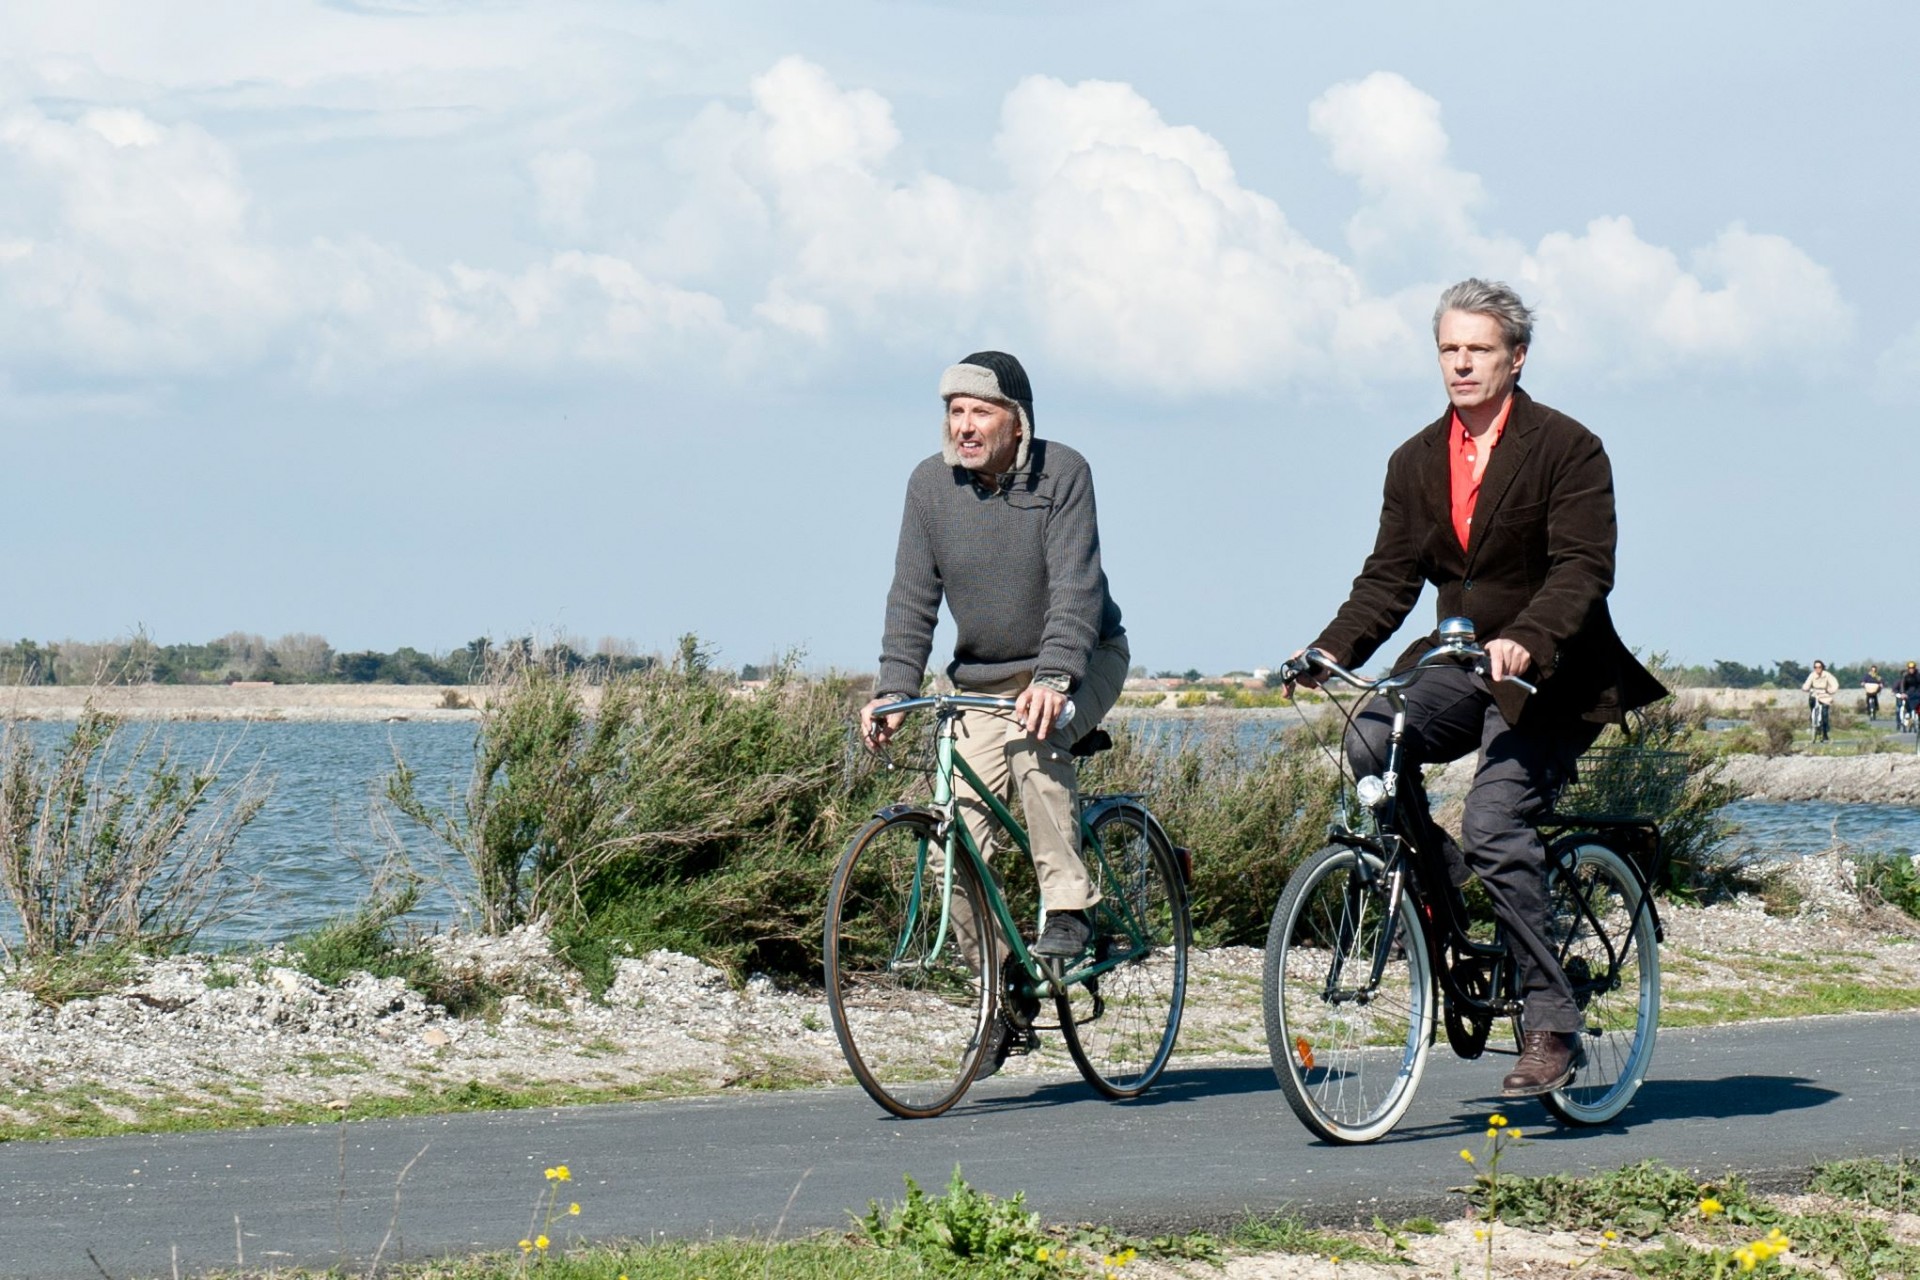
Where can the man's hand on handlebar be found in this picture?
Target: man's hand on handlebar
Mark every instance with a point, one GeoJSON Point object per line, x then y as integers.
{"type": "Point", "coordinates": [1302, 670]}
{"type": "Point", "coordinates": [875, 730]}
{"type": "Point", "coordinates": [1039, 709]}
{"type": "Point", "coordinates": [1506, 658]}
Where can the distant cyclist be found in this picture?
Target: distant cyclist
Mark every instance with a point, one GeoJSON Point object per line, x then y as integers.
{"type": "Point", "coordinates": [1873, 684]}
{"type": "Point", "coordinates": [1906, 691]}
{"type": "Point", "coordinates": [1821, 687]}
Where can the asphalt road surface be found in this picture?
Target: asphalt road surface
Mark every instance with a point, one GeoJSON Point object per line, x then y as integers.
{"type": "Point", "coordinates": [1211, 1142]}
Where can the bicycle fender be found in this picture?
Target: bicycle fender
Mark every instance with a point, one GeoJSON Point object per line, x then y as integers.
{"type": "Point", "coordinates": [893, 811]}
{"type": "Point", "coordinates": [1647, 899]}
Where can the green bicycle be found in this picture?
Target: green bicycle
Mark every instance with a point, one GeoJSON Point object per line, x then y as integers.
{"type": "Point", "coordinates": [914, 979]}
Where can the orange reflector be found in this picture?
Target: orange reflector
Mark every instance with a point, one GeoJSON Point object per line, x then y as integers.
{"type": "Point", "coordinates": [1305, 1050]}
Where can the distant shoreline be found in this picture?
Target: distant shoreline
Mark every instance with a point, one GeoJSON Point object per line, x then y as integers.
{"type": "Point", "coordinates": [290, 702]}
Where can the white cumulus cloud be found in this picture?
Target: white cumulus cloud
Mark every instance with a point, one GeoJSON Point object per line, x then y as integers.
{"type": "Point", "coordinates": [1114, 240]}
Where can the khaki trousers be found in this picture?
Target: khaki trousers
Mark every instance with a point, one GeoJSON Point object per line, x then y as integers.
{"type": "Point", "coordinates": [996, 747]}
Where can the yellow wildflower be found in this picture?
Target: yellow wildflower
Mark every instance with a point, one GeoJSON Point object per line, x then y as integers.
{"type": "Point", "coordinates": [574, 1209]}
{"type": "Point", "coordinates": [1497, 1120]}
{"type": "Point", "coordinates": [1466, 1155]}
{"type": "Point", "coordinates": [526, 1246]}
{"type": "Point", "coordinates": [1041, 1254]}
{"type": "Point", "coordinates": [1609, 1235]}
{"type": "Point", "coordinates": [1493, 1133]}
{"type": "Point", "coordinates": [1517, 1134]}
{"type": "Point", "coordinates": [541, 1242]}
{"type": "Point", "coordinates": [1710, 1206]}
{"type": "Point", "coordinates": [559, 1173]}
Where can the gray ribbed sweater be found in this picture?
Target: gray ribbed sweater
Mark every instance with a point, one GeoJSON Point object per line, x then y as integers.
{"type": "Point", "coordinates": [1019, 568]}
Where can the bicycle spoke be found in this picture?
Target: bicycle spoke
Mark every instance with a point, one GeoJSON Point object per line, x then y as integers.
{"type": "Point", "coordinates": [908, 977]}
{"type": "Point", "coordinates": [1607, 946]}
{"type": "Point", "coordinates": [1120, 1026]}
{"type": "Point", "coordinates": [1348, 1051]}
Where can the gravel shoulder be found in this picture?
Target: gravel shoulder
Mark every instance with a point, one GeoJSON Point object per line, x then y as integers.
{"type": "Point", "coordinates": [196, 1040]}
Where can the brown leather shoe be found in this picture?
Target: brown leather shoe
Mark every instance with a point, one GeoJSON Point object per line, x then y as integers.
{"type": "Point", "coordinates": [1546, 1063]}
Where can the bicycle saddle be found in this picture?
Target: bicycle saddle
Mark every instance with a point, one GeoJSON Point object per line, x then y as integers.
{"type": "Point", "coordinates": [1091, 745]}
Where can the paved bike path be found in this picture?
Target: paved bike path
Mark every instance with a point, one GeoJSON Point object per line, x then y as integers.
{"type": "Point", "coordinates": [1212, 1141]}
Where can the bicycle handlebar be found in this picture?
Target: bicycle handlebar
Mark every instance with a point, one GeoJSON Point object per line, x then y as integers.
{"type": "Point", "coordinates": [965, 702]}
{"type": "Point", "coordinates": [1458, 644]}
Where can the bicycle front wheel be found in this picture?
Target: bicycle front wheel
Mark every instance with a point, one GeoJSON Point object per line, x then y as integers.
{"type": "Point", "coordinates": [1121, 1026]}
{"type": "Point", "coordinates": [910, 971]}
{"type": "Point", "coordinates": [1606, 944]}
{"type": "Point", "coordinates": [1347, 1049]}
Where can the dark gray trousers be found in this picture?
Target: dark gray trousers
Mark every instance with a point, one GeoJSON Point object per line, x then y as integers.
{"type": "Point", "coordinates": [1449, 713]}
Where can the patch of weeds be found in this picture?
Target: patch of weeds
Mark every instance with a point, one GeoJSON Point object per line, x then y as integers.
{"type": "Point", "coordinates": [364, 942]}
{"type": "Point", "coordinates": [1895, 881]}
{"type": "Point", "coordinates": [1779, 895]}
{"type": "Point", "coordinates": [1640, 1200]}
{"type": "Point", "coordinates": [1282, 1234]}
{"type": "Point", "coordinates": [771, 1072]}
{"type": "Point", "coordinates": [964, 1228]}
{"type": "Point", "coordinates": [76, 975]}
{"type": "Point", "coordinates": [604, 1046]}
{"type": "Point", "coordinates": [1885, 1184]}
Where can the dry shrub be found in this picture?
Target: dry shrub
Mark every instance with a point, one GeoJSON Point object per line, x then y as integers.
{"type": "Point", "coordinates": [109, 844]}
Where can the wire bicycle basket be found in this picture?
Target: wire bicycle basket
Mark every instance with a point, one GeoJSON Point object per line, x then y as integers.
{"type": "Point", "coordinates": [1623, 783]}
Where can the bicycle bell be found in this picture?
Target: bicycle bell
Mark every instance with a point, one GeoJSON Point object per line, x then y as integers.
{"type": "Point", "coordinates": [1456, 631]}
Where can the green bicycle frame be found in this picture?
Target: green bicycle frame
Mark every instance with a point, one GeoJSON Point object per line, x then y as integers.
{"type": "Point", "coordinates": [959, 837]}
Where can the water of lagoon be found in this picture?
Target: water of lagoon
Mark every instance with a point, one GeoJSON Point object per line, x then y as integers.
{"type": "Point", "coordinates": [314, 845]}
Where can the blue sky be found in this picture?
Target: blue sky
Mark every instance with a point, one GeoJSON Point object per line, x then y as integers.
{"type": "Point", "coordinates": [407, 321]}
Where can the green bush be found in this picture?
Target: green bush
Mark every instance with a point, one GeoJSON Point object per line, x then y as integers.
{"type": "Point", "coordinates": [1895, 879]}
{"type": "Point", "coordinates": [1249, 813]}
{"type": "Point", "coordinates": [660, 809]}
{"type": "Point", "coordinates": [115, 846]}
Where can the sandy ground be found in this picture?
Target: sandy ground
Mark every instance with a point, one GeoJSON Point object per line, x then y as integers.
{"type": "Point", "coordinates": [248, 702]}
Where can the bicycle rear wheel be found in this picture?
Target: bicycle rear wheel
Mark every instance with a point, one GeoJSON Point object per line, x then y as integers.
{"type": "Point", "coordinates": [910, 984]}
{"type": "Point", "coordinates": [1120, 1027]}
{"type": "Point", "coordinates": [1611, 956]}
{"type": "Point", "coordinates": [1348, 1052]}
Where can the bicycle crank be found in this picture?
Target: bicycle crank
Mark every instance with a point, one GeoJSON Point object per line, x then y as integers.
{"type": "Point", "coordinates": [1467, 1034]}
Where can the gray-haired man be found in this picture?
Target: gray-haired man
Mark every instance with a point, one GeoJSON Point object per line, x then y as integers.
{"type": "Point", "coordinates": [1002, 526]}
{"type": "Point", "coordinates": [1507, 507]}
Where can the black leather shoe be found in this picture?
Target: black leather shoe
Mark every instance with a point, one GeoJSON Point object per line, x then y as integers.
{"type": "Point", "coordinates": [1004, 1040]}
{"type": "Point", "coordinates": [1546, 1063]}
{"type": "Point", "coordinates": [1066, 935]}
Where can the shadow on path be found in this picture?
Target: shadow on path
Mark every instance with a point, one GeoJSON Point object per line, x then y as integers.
{"type": "Point", "coordinates": [1178, 1084]}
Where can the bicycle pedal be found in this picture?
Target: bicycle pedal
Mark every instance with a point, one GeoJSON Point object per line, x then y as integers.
{"type": "Point", "coordinates": [1022, 1041]}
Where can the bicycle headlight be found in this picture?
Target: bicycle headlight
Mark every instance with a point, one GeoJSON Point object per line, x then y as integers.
{"type": "Point", "coordinates": [1371, 791]}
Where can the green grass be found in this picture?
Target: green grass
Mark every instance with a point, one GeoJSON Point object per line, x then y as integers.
{"type": "Point", "coordinates": [72, 1113]}
{"type": "Point", "coordinates": [963, 1232]}
{"type": "Point", "coordinates": [1813, 997]}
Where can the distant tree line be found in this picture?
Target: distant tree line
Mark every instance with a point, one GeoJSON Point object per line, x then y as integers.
{"type": "Point", "coordinates": [1784, 674]}
{"type": "Point", "coordinates": [294, 659]}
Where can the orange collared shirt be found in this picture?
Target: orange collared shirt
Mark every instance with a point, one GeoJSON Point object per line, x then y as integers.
{"type": "Point", "coordinates": [1468, 463]}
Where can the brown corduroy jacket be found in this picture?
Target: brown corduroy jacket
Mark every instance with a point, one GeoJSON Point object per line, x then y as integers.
{"type": "Point", "coordinates": [1537, 567]}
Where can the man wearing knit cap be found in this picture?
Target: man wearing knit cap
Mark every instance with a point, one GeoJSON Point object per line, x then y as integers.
{"type": "Point", "coordinates": [1001, 525]}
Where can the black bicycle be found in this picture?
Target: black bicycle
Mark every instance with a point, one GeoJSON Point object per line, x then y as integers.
{"type": "Point", "coordinates": [1369, 952]}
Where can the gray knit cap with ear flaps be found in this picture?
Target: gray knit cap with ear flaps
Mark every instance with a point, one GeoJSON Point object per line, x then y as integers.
{"type": "Point", "coordinates": [989, 375]}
